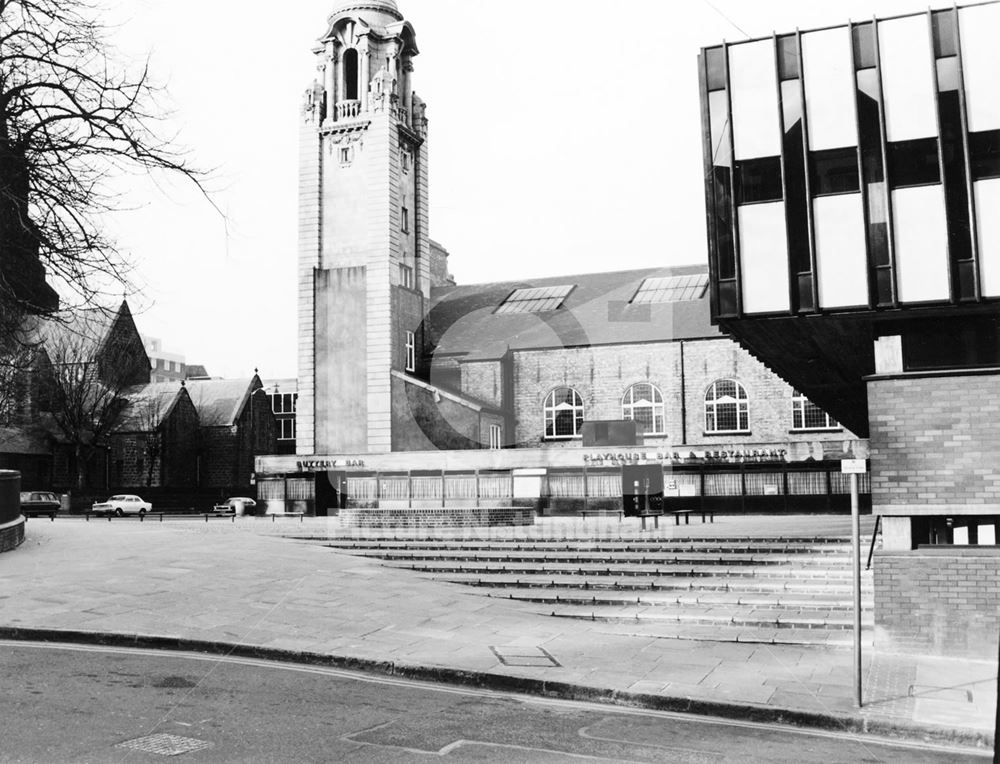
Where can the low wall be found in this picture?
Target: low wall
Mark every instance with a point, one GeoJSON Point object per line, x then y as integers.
{"type": "Point", "coordinates": [11, 522]}
{"type": "Point", "coordinates": [438, 517]}
{"type": "Point", "coordinates": [938, 601]}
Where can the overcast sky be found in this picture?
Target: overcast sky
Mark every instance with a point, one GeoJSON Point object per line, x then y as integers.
{"type": "Point", "coordinates": [564, 138]}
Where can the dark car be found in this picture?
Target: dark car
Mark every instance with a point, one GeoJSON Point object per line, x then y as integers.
{"type": "Point", "coordinates": [35, 503]}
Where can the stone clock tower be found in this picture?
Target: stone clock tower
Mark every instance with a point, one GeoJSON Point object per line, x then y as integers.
{"type": "Point", "coordinates": [364, 260]}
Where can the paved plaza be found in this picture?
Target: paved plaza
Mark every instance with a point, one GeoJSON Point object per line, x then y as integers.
{"type": "Point", "coordinates": [240, 585]}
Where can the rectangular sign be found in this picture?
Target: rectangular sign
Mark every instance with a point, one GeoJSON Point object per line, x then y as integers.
{"type": "Point", "coordinates": [854, 466]}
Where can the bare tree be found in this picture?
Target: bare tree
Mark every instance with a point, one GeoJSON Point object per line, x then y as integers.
{"type": "Point", "coordinates": [86, 389]}
{"type": "Point", "coordinates": [69, 118]}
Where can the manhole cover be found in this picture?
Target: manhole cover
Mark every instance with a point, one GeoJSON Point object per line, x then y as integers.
{"type": "Point", "coordinates": [521, 655]}
{"type": "Point", "coordinates": [165, 745]}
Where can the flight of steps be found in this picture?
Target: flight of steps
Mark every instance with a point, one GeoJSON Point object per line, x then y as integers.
{"type": "Point", "coordinates": [770, 590]}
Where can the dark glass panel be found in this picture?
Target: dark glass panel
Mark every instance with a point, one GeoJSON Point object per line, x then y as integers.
{"type": "Point", "coordinates": [834, 171]}
{"type": "Point", "coordinates": [883, 286]}
{"type": "Point", "coordinates": [788, 58]}
{"type": "Point", "coordinates": [967, 280]}
{"type": "Point", "coordinates": [724, 250]}
{"type": "Point", "coordinates": [914, 163]}
{"type": "Point", "coordinates": [796, 200]}
{"type": "Point", "coordinates": [715, 69]}
{"type": "Point", "coordinates": [956, 194]}
{"type": "Point", "coordinates": [943, 24]}
{"type": "Point", "coordinates": [864, 46]}
{"type": "Point", "coordinates": [727, 298]}
{"type": "Point", "coordinates": [805, 292]}
{"type": "Point", "coordinates": [984, 151]}
{"type": "Point", "coordinates": [951, 344]}
{"type": "Point", "coordinates": [758, 180]}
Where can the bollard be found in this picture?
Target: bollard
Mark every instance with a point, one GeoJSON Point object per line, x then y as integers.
{"type": "Point", "coordinates": [142, 516]}
{"type": "Point", "coordinates": [206, 517]}
{"type": "Point", "coordinates": [161, 517]}
{"type": "Point", "coordinates": [109, 517]}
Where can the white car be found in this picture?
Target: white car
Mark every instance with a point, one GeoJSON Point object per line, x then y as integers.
{"type": "Point", "coordinates": [230, 506]}
{"type": "Point", "coordinates": [122, 504]}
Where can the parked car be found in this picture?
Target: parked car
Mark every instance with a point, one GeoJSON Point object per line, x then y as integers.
{"type": "Point", "coordinates": [122, 504]}
{"type": "Point", "coordinates": [35, 503]}
{"type": "Point", "coordinates": [231, 505]}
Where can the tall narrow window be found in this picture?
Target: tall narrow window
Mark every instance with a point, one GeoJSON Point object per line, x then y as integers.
{"type": "Point", "coordinates": [643, 404]}
{"type": "Point", "coordinates": [727, 408]}
{"type": "Point", "coordinates": [870, 145]}
{"type": "Point", "coordinates": [563, 413]}
{"type": "Point", "coordinates": [411, 352]}
{"type": "Point", "coordinates": [496, 437]}
{"type": "Point", "coordinates": [405, 217]}
{"type": "Point", "coordinates": [351, 75]}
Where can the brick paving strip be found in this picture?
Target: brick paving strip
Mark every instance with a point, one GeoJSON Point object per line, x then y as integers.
{"type": "Point", "coordinates": [240, 588]}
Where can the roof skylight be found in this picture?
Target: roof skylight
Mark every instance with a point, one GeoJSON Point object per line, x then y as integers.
{"type": "Point", "coordinates": [535, 300]}
{"type": "Point", "coordinates": [672, 289]}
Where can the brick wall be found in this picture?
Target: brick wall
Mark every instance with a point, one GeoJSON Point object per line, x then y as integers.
{"type": "Point", "coordinates": [941, 601]}
{"type": "Point", "coordinates": [449, 517]}
{"type": "Point", "coordinates": [602, 375]}
{"type": "Point", "coordinates": [935, 446]}
{"type": "Point", "coordinates": [12, 536]}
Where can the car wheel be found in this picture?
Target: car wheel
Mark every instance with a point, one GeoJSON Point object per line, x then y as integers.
{"type": "Point", "coordinates": [142, 511]}
{"type": "Point", "coordinates": [118, 512]}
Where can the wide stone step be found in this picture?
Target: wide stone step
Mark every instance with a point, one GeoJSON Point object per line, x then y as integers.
{"type": "Point", "coordinates": [604, 558]}
{"type": "Point", "coordinates": [754, 618]}
{"type": "Point", "coordinates": [636, 546]}
{"type": "Point", "coordinates": [792, 601]}
{"type": "Point", "coordinates": [667, 570]}
{"type": "Point", "coordinates": [741, 634]}
{"type": "Point", "coordinates": [658, 584]}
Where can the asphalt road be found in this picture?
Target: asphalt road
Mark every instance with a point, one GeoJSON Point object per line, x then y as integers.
{"type": "Point", "coordinates": [91, 704]}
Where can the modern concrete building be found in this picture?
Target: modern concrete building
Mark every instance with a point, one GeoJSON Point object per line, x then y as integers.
{"type": "Point", "coordinates": [579, 391]}
{"type": "Point", "coordinates": [853, 191]}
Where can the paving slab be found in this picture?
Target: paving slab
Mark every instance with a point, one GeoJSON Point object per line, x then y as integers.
{"type": "Point", "coordinates": [244, 587]}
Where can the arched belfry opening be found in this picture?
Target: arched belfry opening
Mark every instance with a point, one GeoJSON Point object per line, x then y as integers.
{"type": "Point", "coordinates": [351, 74]}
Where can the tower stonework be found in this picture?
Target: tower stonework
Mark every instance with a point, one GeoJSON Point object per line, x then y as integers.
{"type": "Point", "coordinates": [364, 258]}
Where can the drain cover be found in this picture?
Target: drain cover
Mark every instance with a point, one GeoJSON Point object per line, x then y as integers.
{"type": "Point", "coordinates": [165, 745]}
{"type": "Point", "coordinates": [520, 655]}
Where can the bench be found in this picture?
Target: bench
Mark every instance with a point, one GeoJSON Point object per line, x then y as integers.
{"type": "Point", "coordinates": [686, 514]}
{"type": "Point", "coordinates": [654, 513]}
{"type": "Point", "coordinates": [602, 513]}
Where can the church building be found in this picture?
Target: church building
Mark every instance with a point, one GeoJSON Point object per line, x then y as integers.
{"type": "Point", "coordinates": [583, 391]}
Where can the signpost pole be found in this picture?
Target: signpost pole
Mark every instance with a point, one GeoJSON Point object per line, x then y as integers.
{"type": "Point", "coordinates": [856, 564]}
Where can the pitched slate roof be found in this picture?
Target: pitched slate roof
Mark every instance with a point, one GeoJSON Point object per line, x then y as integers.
{"type": "Point", "coordinates": [147, 406]}
{"type": "Point", "coordinates": [220, 401]}
{"type": "Point", "coordinates": [83, 332]}
{"type": "Point", "coordinates": [32, 440]}
{"type": "Point", "coordinates": [463, 320]}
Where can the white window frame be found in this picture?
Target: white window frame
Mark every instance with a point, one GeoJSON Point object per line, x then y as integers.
{"type": "Point", "coordinates": [800, 405]}
{"type": "Point", "coordinates": [713, 404]}
{"type": "Point", "coordinates": [496, 437]}
{"type": "Point", "coordinates": [656, 406]}
{"type": "Point", "coordinates": [286, 424]}
{"type": "Point", "coordinates": [552, 410]}
{"type": "Point", "coordinates": [411, 352]}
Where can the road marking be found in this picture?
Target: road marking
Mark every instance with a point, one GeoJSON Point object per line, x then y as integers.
{"type": "Point", "coordinates": [481, 692]}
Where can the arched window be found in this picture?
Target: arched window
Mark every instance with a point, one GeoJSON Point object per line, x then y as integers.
{"type": "Point", "coordinates": [806, 415]}
{"type": "Point", "coordinates": [643, 404]}
{"type": "Point", "coordinates": [727, 408]}
{"type": "Point", "coordinates": [350, 75]}
{"type": "Point", "coordinates": [563, 413]}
